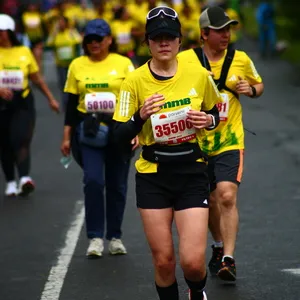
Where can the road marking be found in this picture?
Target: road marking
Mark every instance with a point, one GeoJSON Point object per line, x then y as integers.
{"type": "Point", "coordinates": [293, 271]}
{"type": "Point", "coordinates": [58, 272]}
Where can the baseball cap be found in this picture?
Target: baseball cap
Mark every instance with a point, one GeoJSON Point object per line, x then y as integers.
{"type": "Point", "coordinates": [216, 18]}
{"type": "Point", "coordinates": [161, 20]}
{"type": "Point", "coordinates": [97, 27]}
{"type": "Point", "coordinates": [7, 22]}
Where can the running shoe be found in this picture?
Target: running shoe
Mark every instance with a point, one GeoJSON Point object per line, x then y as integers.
{"type": "Point", "coordinates": [227, 271]}
{"type": "Point", "coordinates": [26, 186]}
{"type": "Point", "coordinates": [116, 247]}
{"type": "Point", "coordinates": [204, 295]}
{"type": "Point", "coordinates": [95, 248]}
{"type": "Point", "coordinates": [11, 189]}
{"type": "Point", "coordinates": [214, 264]}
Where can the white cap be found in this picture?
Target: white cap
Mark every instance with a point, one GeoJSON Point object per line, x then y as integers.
{"type": "Point", "coordinates": [7, 23]}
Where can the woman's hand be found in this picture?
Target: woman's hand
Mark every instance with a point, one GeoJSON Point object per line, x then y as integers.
{"type": "Point", "coordinates": [151, 106]}
{"type": "Point", "coordinates": [135, 143]}
{"type": "Point", "coordinates": [6, 94]}
{"type": "Point", "coordinates": [54, 105]}
{"type": "Point", "coordinates": [65, 147]}
{"type": "Point", "coordinates": [199, 119]}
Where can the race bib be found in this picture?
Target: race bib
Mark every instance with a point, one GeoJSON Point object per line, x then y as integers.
{"type": "Point", "coordinates": [11, 79]}
{"type": "Point", "coordinates": [65, 53]}
{"type": "Point", "coordinates": [100, 102]}
{"type": "Point", "coordinates": [223, 107]}
{"type": "Point", "coordinates": [123, 38]}
{"type": "Point", "coordinates": [172, 127]}
{"type": "Point", "coordinates": [33, 22]}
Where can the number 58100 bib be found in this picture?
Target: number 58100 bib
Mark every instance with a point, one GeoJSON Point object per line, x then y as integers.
{"type": "Point", "coordinates": [104, 102]}
{"type": "Point", "coordinates": [172, 127]}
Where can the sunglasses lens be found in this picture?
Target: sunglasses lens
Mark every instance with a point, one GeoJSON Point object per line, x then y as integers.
{"type": "Point", "coordinates": [167, 11]}
{"type": "Point", "coordinates": [95, 38]}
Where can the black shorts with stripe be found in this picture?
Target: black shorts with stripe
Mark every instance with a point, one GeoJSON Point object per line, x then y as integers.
{"type": "Point", "coordinates": [173, 188]}
{"type": "Point", "coordinates": [226, 166]}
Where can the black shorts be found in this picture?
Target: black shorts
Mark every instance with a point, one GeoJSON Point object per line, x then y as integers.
{"type": "Point", "coordinates": [226, 166]}
{"type": "Point", "coordinates": [173, 190]}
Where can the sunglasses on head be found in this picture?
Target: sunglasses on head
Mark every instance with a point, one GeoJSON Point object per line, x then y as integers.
{"type": "Point", "coordinates": [90, 38]}
{"type": "Point", "coordinates": [167, 11]}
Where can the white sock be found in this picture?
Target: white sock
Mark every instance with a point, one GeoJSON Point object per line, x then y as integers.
{"type": "Point", "coordinates": [218, 244]}
{"type": "Point", "coordinates": [227, 256]}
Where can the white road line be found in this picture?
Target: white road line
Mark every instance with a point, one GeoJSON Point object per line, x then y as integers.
{"type": "Point", "coordinates": [292, 271]}
{"type": "Point", "coordinates": [58, 272]}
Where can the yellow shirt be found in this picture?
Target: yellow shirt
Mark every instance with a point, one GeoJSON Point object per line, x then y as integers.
{"type": "Point", "coordinates": [190, 88]}
{"type": "Point", "coordinates": [229, 135]}
{"type": "Point", "coordinates": [16, 64]}
{"type": "Point", "coordinates": [121, 30]}
{"type": "Point", "coordinates": [88, 77]}
{"type": "Point", "coordinates": [64, 44]}
{"type": "Point", "coordinates": [33, 25]}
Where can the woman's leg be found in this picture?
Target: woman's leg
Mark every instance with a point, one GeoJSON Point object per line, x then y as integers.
{"type": "Point", "coordinates": [116, 178]}
{"type": "Point", "coordinates": [93, 167]}
{"type": "Point", "coordinates": [192, 226]}
{"type": "Point", "coordinates": [21, 133]}
{"type": "Point", "coordinates": [158, 229]}
{"type": "Point", "coordinates": [6, 154]}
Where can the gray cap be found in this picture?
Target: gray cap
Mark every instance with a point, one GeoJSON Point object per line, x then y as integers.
{"type": "Point", "coordinates": [216, 18]}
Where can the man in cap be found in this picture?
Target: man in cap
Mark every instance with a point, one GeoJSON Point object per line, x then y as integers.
{"type": "Point", "coordinates": [225, 144]}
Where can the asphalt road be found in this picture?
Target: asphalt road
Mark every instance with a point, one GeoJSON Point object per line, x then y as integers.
{"type": "Point", "coordinates": [42, 238]}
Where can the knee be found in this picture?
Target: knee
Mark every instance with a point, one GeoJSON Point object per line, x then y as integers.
{"type": "Point", "coordinates": [164, 264]}
{"type": "Point", "coordinates": [227, 199]}
{"type": "Point", "coordinates": [194, 266]}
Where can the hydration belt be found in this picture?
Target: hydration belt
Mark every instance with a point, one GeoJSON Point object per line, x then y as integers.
{"type": "Point", "coordinates": [183, 153]}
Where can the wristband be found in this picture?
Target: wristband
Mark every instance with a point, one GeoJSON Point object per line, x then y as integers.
{"type": "Point", "coordinates": [253, 91]}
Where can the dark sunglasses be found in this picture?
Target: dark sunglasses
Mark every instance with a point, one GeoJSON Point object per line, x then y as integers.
{"type": "Point", "coordinates": [167, 11]}
{"type": "Point", "coordinates": [90, 38]}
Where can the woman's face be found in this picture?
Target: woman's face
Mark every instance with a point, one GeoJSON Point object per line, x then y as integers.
{"type": "Point", "coordinates": [164, 47]}
{"type": "Point", "coordinates": [97, 45]}
{"type": "Point", "coordinates": [4, 38]}
{"type": "Point", "coordinates": [62, 24]}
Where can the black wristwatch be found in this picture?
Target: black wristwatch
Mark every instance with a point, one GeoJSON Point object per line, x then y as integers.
{"type": "Point", "coordinates": [253, 91]}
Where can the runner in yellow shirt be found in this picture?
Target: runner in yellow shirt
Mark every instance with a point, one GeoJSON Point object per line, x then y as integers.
{"type": "Point", "coordinates": [93, 85]}
{"type": "Point", "coordinates": [17, 109]}
{"type": "Point", "coordinates": [225, 144]}
{"type": "Point", "coordinates": [64, 40]}
{"type": "Point", "coordinates": [33, 26]}
{"type": "Point", "coordinates": [168, 103]}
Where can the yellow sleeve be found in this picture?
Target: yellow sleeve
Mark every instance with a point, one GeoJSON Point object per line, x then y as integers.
{"type": "Point", "coordinates": [71, 85]}
{"type": "Point", "coordinates": [33, 66]}
{"type": "Point", "coordinates": [129, 67]}
{"type": "Point", "coordinates": [127, 103]}
{"type": "Point", "coordinates": [211, 96]}
{"type": "Point", "coordinates": [251, 74]}
{"type": "Point", "coordinates": [76, 36]}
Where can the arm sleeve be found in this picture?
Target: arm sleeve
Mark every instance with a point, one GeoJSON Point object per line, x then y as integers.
{"type": "Point", "coordinates": [71, 114]}
{"type": "Point", "coordinates": [128, 122]}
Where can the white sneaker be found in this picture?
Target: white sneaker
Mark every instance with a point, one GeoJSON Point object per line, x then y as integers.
{"type": "Point", "coordinates": [26, 186]}
{"type": "Point", "coordinates": [95, 248]}
{"type": "Point", "coordinates": [11, 189]}
{"type": "Point", "coordinates": [116, 247]}
{"type": "Point", "coordinates": [204, 295]}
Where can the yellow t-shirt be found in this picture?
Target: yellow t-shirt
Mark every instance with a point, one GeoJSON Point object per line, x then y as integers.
{"type": "Point", "coordinates": [229, 135]}
{"type": "Point", "coordinates": [191, 87]}
{"type": "Point", "coordinates": [86, 77]}
{"type": "Point", "coordinates": [16, 64]}
{"type": "Point", "coordinates": [64, 44]}
{"type": "Point", "coordinates": [33, 25]}
{"type": "Point", "coordinates": [121, 30]}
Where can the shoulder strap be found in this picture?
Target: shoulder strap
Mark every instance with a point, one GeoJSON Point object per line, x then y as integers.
{"type": "Point", "coordinates": [221, 82]}
{"type": "Point", "coordinates": [202, 58]}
